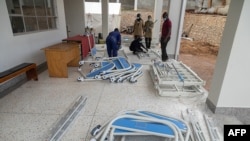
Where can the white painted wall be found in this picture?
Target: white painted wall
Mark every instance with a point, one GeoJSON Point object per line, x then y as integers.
{"type": "Point", "coordinates": [230, 84]}
{"type": "Point", "coordinates": [26, 48]}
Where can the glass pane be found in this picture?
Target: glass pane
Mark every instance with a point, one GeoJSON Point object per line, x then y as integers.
{"type": "Point", "coordinates": [30, 23]}
{"type": "Point", "coordinates": [17, 24]}
{"type": "Point", "coordinates": [28, 8]}
{"type": "Point", "coordinates": [50, 8]}
{"type": "Point", "coordinates": [40, 7]}
{"type": "Point", "coordinates": [42, 22]}
{"type": "Point", "coordinates": [13, 6]}
{"type": "Point", "coordinates": [52, 23]}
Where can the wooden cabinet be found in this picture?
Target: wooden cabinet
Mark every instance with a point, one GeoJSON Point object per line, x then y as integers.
{"type": "Point", "coordinates": [87, 42]}
{"type": "Point", "coordinates": [60, 56]}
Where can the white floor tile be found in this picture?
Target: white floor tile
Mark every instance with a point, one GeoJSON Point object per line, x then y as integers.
{"type": "Point", "coordinates": [31, 111]}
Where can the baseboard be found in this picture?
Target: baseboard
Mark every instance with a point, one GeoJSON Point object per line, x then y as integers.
{"type": "Point", "coordinates": [242, 114]}
{"type": "Point", "coordinates": [210, 105]}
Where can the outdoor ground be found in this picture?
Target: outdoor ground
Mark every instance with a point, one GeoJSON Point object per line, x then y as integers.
{"type": "Point", "coordinates": [201, 53]}
{"type": "Point", "coordinates": [201, 63]}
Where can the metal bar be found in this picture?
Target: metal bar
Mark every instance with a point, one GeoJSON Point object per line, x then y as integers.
{"type": "Point", "coordinates": [156, 53]}
{"type": "Point", "coordinates": [184, 116]}
{"type": "Point", "coordinates": [196, 126]}
{"type": "Point", "coordinates": [179, 75]}
{"type": "Point", "coordinates": [192, 72]}
{"type": "Point", "coordinates": [212, 130]}
{"type": "Point", "coordinates": [64, 123]}
{"type": "Point", "coordinates": [135, 77]}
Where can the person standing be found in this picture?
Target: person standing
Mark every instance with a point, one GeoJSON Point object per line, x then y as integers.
{"type": "Point", "coordinates": [148, 26]}
{"type": "Point", "coordinates": [165, 35]}
{"type": "Point", "coordinates": [113, 41]}
{"type": "Point", "coordinates": [138, 26]}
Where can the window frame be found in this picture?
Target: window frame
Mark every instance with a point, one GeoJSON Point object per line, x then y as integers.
{"type": "Point", "coordinates": [50, 24]}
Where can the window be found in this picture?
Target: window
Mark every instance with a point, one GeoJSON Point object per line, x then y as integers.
{"type": "Point", "coordinates": [31, 15]}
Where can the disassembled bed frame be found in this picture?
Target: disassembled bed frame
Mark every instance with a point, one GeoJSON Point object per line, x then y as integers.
{"type": "Point", "coordinates": [173, 78]}
{"type": "Point", "coordinates": [139, 122]}
{"type": "Point", "coordinates": [116, 69]}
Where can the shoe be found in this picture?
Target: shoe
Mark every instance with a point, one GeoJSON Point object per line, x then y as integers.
{"type": "Point", "coordinates": [165, 60]}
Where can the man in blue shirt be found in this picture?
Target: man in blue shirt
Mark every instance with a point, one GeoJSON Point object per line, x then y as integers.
{"type": "Point", "coordinates": [113, 41]}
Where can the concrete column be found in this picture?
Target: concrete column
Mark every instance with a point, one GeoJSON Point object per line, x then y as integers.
{"type": "Point", "coordinates": [176, 15]}
{"type": "Point", "coordinates": [158, 17]}
{"type": "Point", "coordinates": [84, 14]}
{"type": "Point", "coordinates": [21, 2]}
{"type": "Point", "coordinates": [135, 4]}
{"type": "Point", "coordinates": [48, 2]}
{"type": "Point", "coordinates": [105, 15]}
{"type": "Point", "coordinates": [229, 92]}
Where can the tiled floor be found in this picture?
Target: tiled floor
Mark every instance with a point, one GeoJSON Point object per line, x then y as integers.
{"type": "Point", "coordinates": [29, 112]}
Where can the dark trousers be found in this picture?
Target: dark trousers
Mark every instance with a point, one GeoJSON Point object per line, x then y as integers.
{"type": "Point", "coordinates": [148, 42]}
{"type": "Point", "coordinates": [164, 55]}
{"type": "Point", "coordinates": [112, 47]}
{"type": "Point", "coordinates": [138, 49]}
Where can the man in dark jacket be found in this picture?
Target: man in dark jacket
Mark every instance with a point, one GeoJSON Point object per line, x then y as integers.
{"type": "Point", "coordinates": [136, 46]}
{"type": "Point", "coordinates": [113, 41]}
{"type": "Point", "coordinates": [138, 26]}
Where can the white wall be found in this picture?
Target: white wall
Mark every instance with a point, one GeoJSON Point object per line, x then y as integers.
{"type": "Point", "coordinates": [26, 48]}
{"type": "Point", "coordinates": [230, 84]}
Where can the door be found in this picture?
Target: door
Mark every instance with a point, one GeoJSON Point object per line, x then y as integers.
{"type": "Point", "coordinates": [74, 14]}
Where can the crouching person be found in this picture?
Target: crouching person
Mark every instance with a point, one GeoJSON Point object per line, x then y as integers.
{"type": "Point", "coordinates": [113, 42]}
{"type": "Point", "coordinates": [136, 46]}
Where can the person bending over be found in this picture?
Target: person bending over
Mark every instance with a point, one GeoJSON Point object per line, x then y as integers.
{"type": "Point", "coordinates": [136, 46]}
{"type": "Point", "coordinates": [113, 42]}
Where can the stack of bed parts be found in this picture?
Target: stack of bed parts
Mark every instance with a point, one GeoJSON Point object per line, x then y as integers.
{"type": "Point", "coordinates": [141, 123]}
{"type": "Point", "coordinates": [173, 78]}
{"type": "Point", "coordinates": [116, 69]}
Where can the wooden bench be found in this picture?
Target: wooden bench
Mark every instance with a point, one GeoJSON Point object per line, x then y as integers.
{"type": "Point", "coordinates": [28, 68]}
